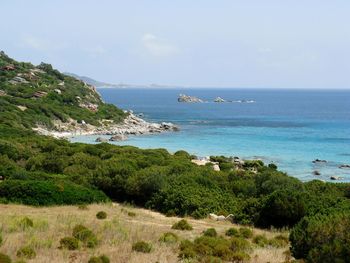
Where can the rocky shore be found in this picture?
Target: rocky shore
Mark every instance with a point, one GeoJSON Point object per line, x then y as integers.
{"type": "Point", "coordinates": [132, 125]}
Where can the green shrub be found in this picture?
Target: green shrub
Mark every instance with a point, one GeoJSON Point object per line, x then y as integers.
{"type": "Point", "coordinates": [131, 214]}
{"type": "Point", "coordinates": [101, 215]}
{"type": "Point", "coordinates": [70, 243]}
{"type": "Point", "coordinates": [26, 252]}
{"type": "Point", "coordinates": [85, 235]}
{"type": "Point", "coordinates": [239, 244]}
{"type": "Point", "coordinates": [260, 240]}
{"type": "Point", "coordinates": [36, 192]}
{"type": "Point", "coordinates": [187, 250]}
{"type": "Point", "coordinates": [142, 246]}
{"type": "Point", "coordinates": [5, 258]}
{"type": "Point", "coordinates": [169, 238]}
{"type": "Point", "coordinates": [246, 232]}
{"type": "Point", "coordinates": [1, 239]}
{"type": "Point", "coordinates": [100, 259]}
{"type": "Point", "coordinates": [95, 260]}
{"type": "Point", "coordinates": [322, 237]}
{"type": "Point", "coordinates": [26, 223]}
{"type": "Point", "coordinates": [210, 232]}
{"type": "Point", "coordinates": [232, 232]}
{"type": "Point", "coordinates": [182, 225]}
{"type": "Point", "coordinates": [240, 257]}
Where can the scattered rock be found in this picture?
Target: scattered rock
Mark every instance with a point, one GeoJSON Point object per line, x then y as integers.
{"type": "Point", "coordinates": [2, 93]}
{"type": "Point", "coordinates": [9, 67]}
{"type": "Point", "coordinates": [216, 167]}
{"type": "Point", "coordinates": [118, 137]}
{"type": "Point", "coordinates": [343, 166]}
{"type": "Point", "coordinates": [39, 94]}
{"type": "Point", "coordinates": [58, 91]}
{"type": "Point", "coordinates": [316, 173]}
{"type": "Point", "coordinates": [219, 99]}
{"type": "Point", "coordinates": [17, 80]}
{"type": "Point", "coordinates": [101, 139]}
{"type": "Point", "coordinates": [22, 108]}
{"type": "Point", "coordinates": [335, 177]}
{"type": "Point", "coordinates": [319, 161]}
{"type": "Point", "coordinates": [189, 99]}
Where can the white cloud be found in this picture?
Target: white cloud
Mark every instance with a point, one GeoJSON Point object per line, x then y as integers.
{"type": "Point", "coordinates": [157, 46]}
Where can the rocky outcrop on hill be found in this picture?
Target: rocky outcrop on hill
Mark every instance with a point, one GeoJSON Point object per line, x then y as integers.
{"type": "Point", "coordinates": [131, 125]}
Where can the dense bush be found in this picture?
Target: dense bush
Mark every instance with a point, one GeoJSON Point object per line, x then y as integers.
{"type": "Point", "coordinates": [33, 192]}
{"type": "Point", "coordinates": [182, 225]}
{"type": "Point", "coordinates": [70, 243]}
{"type": "Point", "coordinates": [322, 237]}
{"type": "Point", "coordinates": [245, 232]}
{"type": "Point", "coordinates": [232, 232]}
{"type": "Point", "coordinates": [100, 259]}
{"type": "Point", "coordinates": [85, 235]}
{"type": "Point", "coordinates": [142, 246]}
{"type": "Point", "coordinates": [26, 252]}
{"type": "Point", "coordinates": [169, 238]}
{"type": "Point", "coordinates": [210, 232]}
{"type": "Point", "coordinates": [101, 215]}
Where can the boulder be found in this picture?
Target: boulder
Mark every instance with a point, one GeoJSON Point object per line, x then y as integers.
{"type": "Point", "coordinates": [189, 99]}
{"type": "Point", "coordinates": [319, 161]}
{"type": "Point", "coordinates": [101, 139]}
{"type": "Point", "coordinates": [316, 172]}
{"type": "Point", "coordinates": [219, 99]}
{"type": "Point", "coordinates": [335, 177]}
{"type": "Point", "coordinates": [118, 137]}
{"type": "Point", "coordinates": [344, 166]}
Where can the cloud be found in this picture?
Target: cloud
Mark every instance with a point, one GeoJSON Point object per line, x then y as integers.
{"type": "Point", "coordinates": [157, 46]}
{"type": "Point", "coordinates": [41, 44]}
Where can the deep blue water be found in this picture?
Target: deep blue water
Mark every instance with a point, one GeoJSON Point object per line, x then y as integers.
{"type": "Point", "coordinates": [288, 127]}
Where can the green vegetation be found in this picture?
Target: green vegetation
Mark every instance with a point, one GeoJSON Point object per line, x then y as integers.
{"type": "Point", "coordinates": [70, 243]}
{"type": "Point", "coordinates": [85, 235]}
{"type": "Point", "coordinates": [100, 259]}
{"type": "Point", "coordinates": [142, 246]}
{"type": "Point", "coordinates": [210, 232]}
{"type": "Point", "coordinates": [210, 248]}
{"type": "Point", "coordinates": [26, 252]}
{"type": "Point", "coordinates": [5, 258]}
{"type": "Point", "coordinates": [232, 232]}
{"type": "Point", "coordinates": [169, 238]}
{"type": "Point", "coordinates": [182, 225]}
{"type": "Point", "coordinates": [41, 171]}
{"type": "Point", "coordinates": [101, 215]}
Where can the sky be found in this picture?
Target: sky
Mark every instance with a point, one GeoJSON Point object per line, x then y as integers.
{"type": "Point", "coordinates": [198, 43]}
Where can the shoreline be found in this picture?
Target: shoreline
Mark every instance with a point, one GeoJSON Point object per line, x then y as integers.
{"type": "Point", "coordinates": [131, 125]}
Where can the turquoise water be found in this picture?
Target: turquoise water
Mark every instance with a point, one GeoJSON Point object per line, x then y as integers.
{"type": "Point", "coordinates": [287, 127]}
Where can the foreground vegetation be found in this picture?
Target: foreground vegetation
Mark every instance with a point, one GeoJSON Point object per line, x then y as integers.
{"type": "Point", "coordinates": [64, 234]}
{"type": "Point", "coordinates": [43, 171]}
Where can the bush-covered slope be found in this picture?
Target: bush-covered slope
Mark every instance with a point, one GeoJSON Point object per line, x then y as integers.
{"type": "Point", "coordinates": [38, 95]}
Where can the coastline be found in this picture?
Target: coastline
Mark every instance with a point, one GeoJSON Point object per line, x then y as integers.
{"type": "Point", "coordinates": [131, 125]}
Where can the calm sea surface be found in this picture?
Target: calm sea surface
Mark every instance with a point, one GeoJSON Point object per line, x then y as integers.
{"type": "Point", "coordinates": [288, 127]}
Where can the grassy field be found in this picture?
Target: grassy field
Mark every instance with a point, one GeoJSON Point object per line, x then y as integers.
{"type": "Point", "coordinates": [123, 226]}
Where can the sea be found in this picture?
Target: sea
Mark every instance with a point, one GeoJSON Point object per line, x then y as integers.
{"type": "Point", "coordinates": [289, 128]}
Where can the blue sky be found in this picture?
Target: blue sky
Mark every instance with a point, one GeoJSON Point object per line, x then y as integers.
{"type": "Point", "coordinates": [233, 43]}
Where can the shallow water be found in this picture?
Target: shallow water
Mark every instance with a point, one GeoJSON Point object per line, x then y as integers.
{"type": "Point", "coordinates": [288, 127]}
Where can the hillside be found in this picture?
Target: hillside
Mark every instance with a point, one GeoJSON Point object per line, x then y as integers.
{"type": "Point", "coordinates": [40, 96]}
{"type": "Point", "coordinates": [117, 233]}
{"type": "Point", "coordinates": [90, 81]}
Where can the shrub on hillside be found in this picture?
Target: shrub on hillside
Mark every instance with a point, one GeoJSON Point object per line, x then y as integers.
{"type": "Point", "coordinates": [26, 252]}
{"type": "Point", "coordinates": [85, 235]}
{"type": "Point", "coordinates": [26, 223]}
{"type": "Point", "coordinates": [5, 258]}
{"type": "Point", "coordinates": [70, 243]}
{"type": "Point", "coordinates": [182, 225]}
{"type": "Point", "coordinates": [101, 215]}
{"type": "Point", "coordinates": [283, 208]}
{"type": "Point", "coordinates": [232, 232]}
{"type": "Point", "coordinates": [210, 232]}
{"type": "Point", "coordinates": [100, 259]}
{"type": "Point", "coordinates": [322, 237]}
{"type": "Point", "coordinates": [260, 240]}
{"type": "Point", "coordinates": [34, 192]}
{"type": "Point", "coordinates": [245, 232]}
{"type": "Point", "coordinates": [142, 246]}
{"type": "Point", "coordinates": [169, 238]}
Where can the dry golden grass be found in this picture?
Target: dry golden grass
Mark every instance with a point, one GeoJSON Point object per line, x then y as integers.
{"type": "Point", "coordinates": [116, 234]}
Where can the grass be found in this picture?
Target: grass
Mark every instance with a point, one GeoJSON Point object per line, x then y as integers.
{"type": "Point", "coordinates": [116, 234]}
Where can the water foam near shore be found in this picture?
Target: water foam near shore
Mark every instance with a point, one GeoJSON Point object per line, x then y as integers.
{"type": "Point", "coordinates": [290, 128]}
